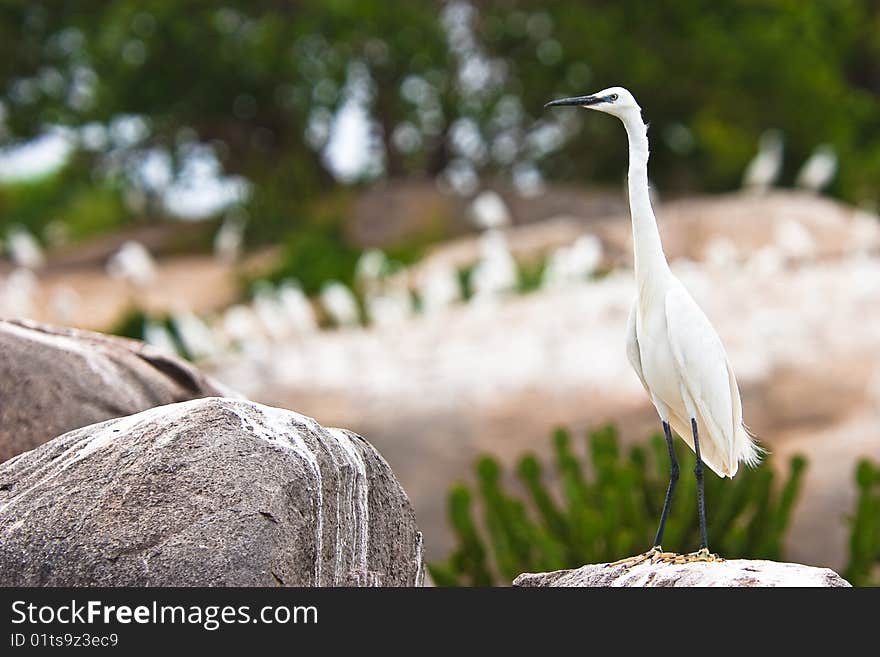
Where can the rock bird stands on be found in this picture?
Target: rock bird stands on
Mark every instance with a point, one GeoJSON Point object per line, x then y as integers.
{"type": "Point", "coordinates": [673, 348]}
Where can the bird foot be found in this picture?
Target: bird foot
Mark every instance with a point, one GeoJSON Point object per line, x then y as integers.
{"type": "Point", "coordinates": [654, 555]}
{"type": "Point", "coordinates": [702, 554]}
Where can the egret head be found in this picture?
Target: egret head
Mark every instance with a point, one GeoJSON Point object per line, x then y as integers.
{"type": "Point", "coordinates": [615, 100]}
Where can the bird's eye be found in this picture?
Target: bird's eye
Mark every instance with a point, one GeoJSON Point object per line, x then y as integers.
{"type": "Point", "coordinates": [613, 97]}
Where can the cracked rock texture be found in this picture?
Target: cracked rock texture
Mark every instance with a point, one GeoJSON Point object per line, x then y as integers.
{"type": "Point", "coordinates": [208, 492]}
{"type": "Point", "coordinates": [55, 379]}
{"type": "Point", "coordinates": [735, 572]}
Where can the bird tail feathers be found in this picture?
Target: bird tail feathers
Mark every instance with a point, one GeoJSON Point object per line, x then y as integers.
{"type": "Point", "coordinates": [747, 450]}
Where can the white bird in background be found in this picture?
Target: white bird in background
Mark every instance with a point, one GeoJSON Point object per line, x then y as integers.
{"type": "Point", "coordinates": [495, 275]}
{"type": "Point", "coordinates": [158, 335]}
{"type": "Point", "coordinates": [241, 327]}
{"type": "Point", "coordinates": [671, 345]}
{"type": "Point", "coordinates": [132, 263]}
{"type": "Point", "coordinates": [439, 287]}
{"type": "Point", "coordinates": [229, 238]}
{"type": "Point", "coordinates": [390, 306]}
{"type": "Point", "coordinates": [793, 240]}
{"type": "Point", "coordinates": [63, 304]}
{"type": "Point", "coordinates": [371, 266]}
{"type": "Point", "coordinates": [819, 169]}
{"type": "Point", "coordinates": [340, 304]}
{"type": "Point", "coordinates": [297, 307]}
{"type": "Point", "coordinates": [489, 211]}
{"type": "Point", "coordinates": [766, 166]}
{"type": "Point", "coordinates": [196, 336]}
{"type": "Point", "coordinates": [268, 309]}
{"type": "Point", "coordinates": [572, 264]}
{"type": "Point", "coordinates": [24, 249]}
{"type": "Point", "coordinates": [17, 294]}
{"type": "Point", "coordinates": [721, 253]}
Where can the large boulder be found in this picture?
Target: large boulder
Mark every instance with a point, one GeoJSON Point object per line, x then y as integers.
{"type": "Point", "coordinates": [55, 379]}
{"type": "Point", "coordinates": [209, 492]}
{"type": "Point", "coordinates": [736, 572]}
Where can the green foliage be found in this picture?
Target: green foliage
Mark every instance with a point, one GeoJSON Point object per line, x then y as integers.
{"type": "Point", "coordinates": [711, 77]}
{"type": "Point", "coordinates": [529, 275]}
{"type": "Point", "coordinates": [608, 510]}
{"type": "Point", "coordinates": [261, 83]}
{"type": "Point", "coordinates": [131, 325]}
{"type": "Point", "coordinates": [84, 209]}
{"type": "Point", "coordinates": [315, 255]}
{"type": "Point", "coordinates": [864, 545]}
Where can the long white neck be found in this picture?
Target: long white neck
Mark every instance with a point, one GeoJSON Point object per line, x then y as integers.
{"type": "Point", "coordinates": [650, 261]}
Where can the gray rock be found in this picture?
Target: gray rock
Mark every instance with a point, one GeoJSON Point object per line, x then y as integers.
{"type": "Point", "coordinates": [209, 492]}
{"type": "Point", "coordinates": [735, 572]}
{"type": "Point", "coordinates": [55, 379]}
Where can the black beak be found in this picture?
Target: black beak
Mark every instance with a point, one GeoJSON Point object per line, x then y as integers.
{"type": "Point", "coordinates": [579, 101]}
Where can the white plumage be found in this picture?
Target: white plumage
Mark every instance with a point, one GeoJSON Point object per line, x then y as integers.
{"type": "Point", "coordinates": [24, 248]}
{"type": "Point", "coordinates": [671, 344]}
{"type": "Point", "coordinates": [495, 275]}
{"type": "Point", "coordinates": [340, 304]}
{"type": "Point", "coordinates": [489, 211]}
{"type": "Point", "coordinates": [819, 169]}
{"type": "Point", "coordinates": [132, 263]}
{"type": "Point", "coordinates": [766, 166]}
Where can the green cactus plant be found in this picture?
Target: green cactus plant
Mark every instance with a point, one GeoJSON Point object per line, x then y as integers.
{"type": "Point", "coordinates": [864, 544]}
{"type": "Point", "coordinates": [607, 511]}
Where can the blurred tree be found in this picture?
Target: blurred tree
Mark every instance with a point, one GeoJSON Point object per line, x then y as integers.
{"type": "Point", "coordinates": [452, 89]}
{"type": "Point", "coordinates": [260, 83]}
{"type": "Point", "coordinates": [711, 76]}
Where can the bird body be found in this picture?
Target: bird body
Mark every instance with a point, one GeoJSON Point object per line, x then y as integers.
{"type": "Point", "coordinates": [671, 344]}
{"type": "Point", "coordinates": [681, 362]}
{"type": "Point", "coordinates": [765, 167]}
{"type": "Point", "coordinates": [819, 169]}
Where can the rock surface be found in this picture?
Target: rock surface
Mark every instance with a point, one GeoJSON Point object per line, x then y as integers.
{"type": "Point", "coordinates": [734, 573]}
{"type": "Point", "coordinates": [208, 492]}
{"type": "Point", "coordinates": [54, 380]}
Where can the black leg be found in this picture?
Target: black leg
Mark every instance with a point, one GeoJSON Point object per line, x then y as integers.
{"type": "Point", "coordinates": [673, 477]}
{"type": "Point", "coordinates": [698, 470]}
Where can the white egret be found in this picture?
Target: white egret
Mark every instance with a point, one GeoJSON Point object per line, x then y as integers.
{"type": "Point", "coordinates": [489, 211]}
{"type": "Point", "coordinates": [269, 310]}
{"type": "Point", "coordinates": [390, 306]}
{"type": "Point", "coordinates": [157, 335]}
{"type": "Point", "coordinates": [671, 344]}
{"type": "Point", "coordinates": [720, 253]}
{"type": "Point", "coordinates": [340, 304]}
{"type": "Point", "coordinates": [573, 264]}
{"type": "Point", "coordinates": [242, 327]}
{"type": "Point", "coordinates": [819, 169]}
{"type": "Point", "coordinates": [495, 275]}
{"type": "Point", "coordinates": [196, 336]}
{"type": "Point", "coordinates": [766, 166]}
{"type": "Point", "coordinates": [63, 304]}
{"type": "Point", "coordinates": [793, 240]}
{"type": "Point", "coordinates": [229, 238]}
{"type": "Point", "coordinates": [371, 266]}
{"type": "Point", "coordinates": [297, 307]}
{"type": "Point", "coordinates": [24, 248]}
{"type": "Point", "coordinates": [132, 263]}
{"type": "Point", "coordinates": [439, 287]}
{"type": "Point", "coordinates": [18, 293]}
